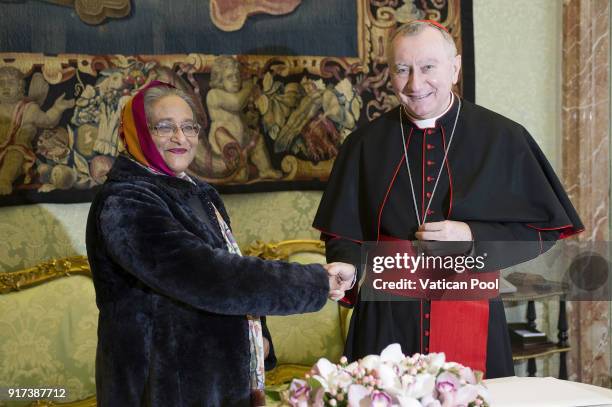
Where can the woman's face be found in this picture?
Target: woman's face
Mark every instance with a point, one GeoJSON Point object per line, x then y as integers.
{"type": "Point", "coordinates": [178, 150]}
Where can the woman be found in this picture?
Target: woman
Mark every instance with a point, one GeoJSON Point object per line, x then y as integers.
{"type": "Point", "coordinates": [176, 299]}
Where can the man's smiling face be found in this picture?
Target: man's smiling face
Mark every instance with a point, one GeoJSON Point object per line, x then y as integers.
{"type": "Point", "coordinates": [423, 72]}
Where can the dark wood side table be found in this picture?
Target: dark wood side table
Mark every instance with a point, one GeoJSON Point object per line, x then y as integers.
{"type": "Point", "coordinates": [561, 347]}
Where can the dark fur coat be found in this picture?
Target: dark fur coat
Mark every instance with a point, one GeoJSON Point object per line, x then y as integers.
{"type": "Point", "coordinates": [172, 328]}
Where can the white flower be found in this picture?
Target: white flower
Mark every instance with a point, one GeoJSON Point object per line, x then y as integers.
{"type": "Point", "coordinates": [405, 401]}
{"type": "Point", "coordinates": [392, 353]}
{"type": "Point", "coordinates": [414, 387]}
{"type": "Point", "coordinates": [467, 374]}
{"type": "Point", "coordinates": [393, 380]}
{"type": "Point", "coordinates": [387, 376]}
{"type": "Point", "coordinates": [370, 362]}
{"type": "Point", "coordinates": [466, 394]}
{"type": "Point", "coordinates": [352, 368]}
{"type": "Point", "coordinates": [436, 361]}
{"type": "Point", "coordinates": [451, 366]}
{"type": "Point", "coordinates": [422, 386]}
{"type": "Point", "coordinates": [356, 394]}
{"type": "Point", "coordinates": [340, 380]}
{"type": "Point", "coordinates": [483, 392]}
{"type": "Point", "coordinates": [430, 401]}
{"type": "Point", "coordinates": [324, 367]}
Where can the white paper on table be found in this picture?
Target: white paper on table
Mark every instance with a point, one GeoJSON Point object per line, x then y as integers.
{"type": "Point", "coordinates": [545, 392]}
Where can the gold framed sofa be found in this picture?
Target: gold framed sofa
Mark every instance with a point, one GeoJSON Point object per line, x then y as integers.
{"type": "Point", "coordinates": [48, 327]}
{"type": "Point", "coordinates": [48, 324]}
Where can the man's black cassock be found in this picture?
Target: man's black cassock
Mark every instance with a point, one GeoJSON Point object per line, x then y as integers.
{"type": "Point", "coordinates": [496, 179]}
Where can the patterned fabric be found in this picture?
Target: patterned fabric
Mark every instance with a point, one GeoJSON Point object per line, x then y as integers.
{"type": "Point", "coordinates": [276, 124]}
{"type": "Point", "coordinates": [12, 128]}
{"type": "Point", "coordinates": [135, 133]}
{"type": "Point", "coordinates": [257, 366]}
{"type": "Point", "coordinates": [48, 338]}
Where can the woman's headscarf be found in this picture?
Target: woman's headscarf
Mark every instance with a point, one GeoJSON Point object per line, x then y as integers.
{"type": "Point", "coordinates": [134, 132]}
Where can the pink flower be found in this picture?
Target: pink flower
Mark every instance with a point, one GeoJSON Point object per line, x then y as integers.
{"type": "Point", "coordinates": [392, 379]}
{"type": "Point", "coordinates": [300, 393]}
{"type": "Point", "coordinates": [447, 383]}
{"type": "Point", "coordinates": [380, 399]}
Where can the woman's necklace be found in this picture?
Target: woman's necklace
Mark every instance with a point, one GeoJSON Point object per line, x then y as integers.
{"type": "Point", "coordinates": [416, 208]}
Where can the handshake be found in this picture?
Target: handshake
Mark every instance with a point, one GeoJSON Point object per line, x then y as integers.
{"type": "Point", "coordinates": [342, 277]}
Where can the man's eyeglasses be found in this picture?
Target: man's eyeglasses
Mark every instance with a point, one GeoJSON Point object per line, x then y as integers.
{"type": "Point", "coordinates": [169, 129]}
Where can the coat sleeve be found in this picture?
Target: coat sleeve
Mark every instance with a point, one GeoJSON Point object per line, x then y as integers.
{"type": "Point", "coordinates": [142, 236]}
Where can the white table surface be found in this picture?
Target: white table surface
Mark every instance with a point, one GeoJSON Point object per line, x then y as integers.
{"type": "Point", "coordinates": [545, 392]}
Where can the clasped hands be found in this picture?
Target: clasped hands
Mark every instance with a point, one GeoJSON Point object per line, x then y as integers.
{"type": "Point", "coordinates": [448, 237]}
{"type": "Point", "coordinates": [342, 275]}
{"type": "Point", "coordinates": [341, 278]}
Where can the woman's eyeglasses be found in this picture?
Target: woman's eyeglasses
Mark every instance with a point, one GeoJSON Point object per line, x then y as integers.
{"type": "Point", "coordinates": [169, 129]}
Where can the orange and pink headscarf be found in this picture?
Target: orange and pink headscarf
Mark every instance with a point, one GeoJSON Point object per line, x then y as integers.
{"type": "Point", "coordinates": [135, 134]}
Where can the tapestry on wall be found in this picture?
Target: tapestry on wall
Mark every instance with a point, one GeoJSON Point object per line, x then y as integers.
{"type": "Point", "coordinates": [273, 116]}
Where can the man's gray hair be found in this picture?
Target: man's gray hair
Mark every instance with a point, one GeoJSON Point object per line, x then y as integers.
{"type": "Point", "coordinates": [414, 28]}
{"type": "Point", "coordinates": [156, 93]}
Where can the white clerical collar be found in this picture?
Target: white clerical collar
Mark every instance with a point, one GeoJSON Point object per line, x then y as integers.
{"type": "Point", "coordinates": [428, 123]}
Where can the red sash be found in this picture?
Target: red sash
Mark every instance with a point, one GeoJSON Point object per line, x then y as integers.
{"type": "Point", "coordinates": [460, 329]}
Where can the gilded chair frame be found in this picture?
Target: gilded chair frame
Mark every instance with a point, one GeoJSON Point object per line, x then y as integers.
{"type": "Point", "coordinates": [15, 281]}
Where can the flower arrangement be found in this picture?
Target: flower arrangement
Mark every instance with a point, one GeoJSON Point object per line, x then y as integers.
{"type": "Point", "coordinates": [391, 379]}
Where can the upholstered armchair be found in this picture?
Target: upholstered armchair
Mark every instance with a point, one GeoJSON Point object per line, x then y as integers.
{"type": "Point", "coordinates": [48, 331]}
{"type": "Point", "coordinates": [48, 327]}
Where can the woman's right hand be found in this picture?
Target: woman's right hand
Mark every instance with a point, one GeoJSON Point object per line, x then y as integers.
{"type": "Point", "coordinates": [341, 278]}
